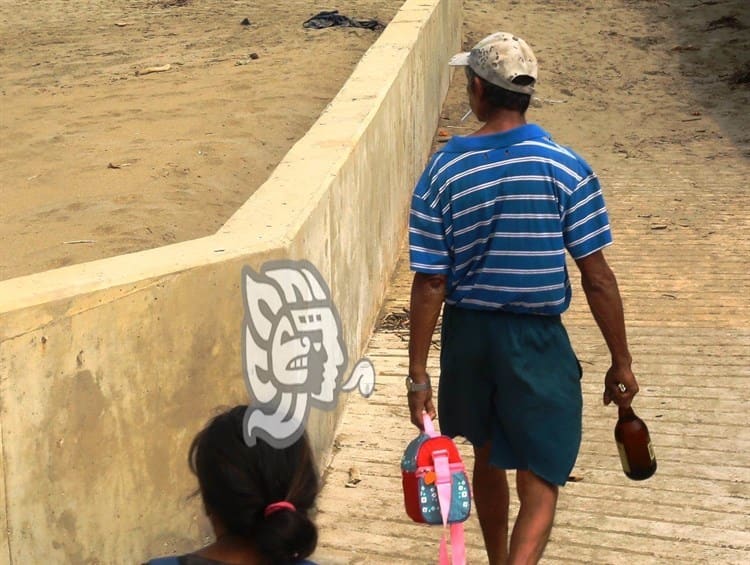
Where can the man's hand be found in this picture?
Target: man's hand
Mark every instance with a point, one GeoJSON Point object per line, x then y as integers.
{"type": "Point", "coordinates": [420, 401]}
{"type": "Point", "coordinates": [620, 386]}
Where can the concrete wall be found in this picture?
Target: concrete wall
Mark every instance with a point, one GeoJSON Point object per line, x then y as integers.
{"type": "Point", "coordinates": [109, 368]}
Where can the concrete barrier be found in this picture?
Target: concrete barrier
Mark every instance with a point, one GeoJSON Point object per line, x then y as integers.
{"type": "Point", "coordinates": [109, 368]}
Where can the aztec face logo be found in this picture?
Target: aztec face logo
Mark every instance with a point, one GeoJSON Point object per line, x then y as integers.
{"type": "Point", "coordinates": [293, 354]}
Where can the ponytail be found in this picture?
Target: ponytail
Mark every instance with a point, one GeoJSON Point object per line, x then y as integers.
{"type": "Point", "coordinates": [286, 536]}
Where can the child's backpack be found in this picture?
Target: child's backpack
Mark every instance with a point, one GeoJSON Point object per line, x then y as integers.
{"type": "Point", "coordinates": [436, 488]}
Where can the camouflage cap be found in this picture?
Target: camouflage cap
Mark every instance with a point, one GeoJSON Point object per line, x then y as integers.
{"type": "Point", "coordinates": [499, 59]}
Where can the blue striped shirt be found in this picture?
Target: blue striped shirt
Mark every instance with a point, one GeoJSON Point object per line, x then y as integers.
{"type": "Point", "coordinates": [497, 212]}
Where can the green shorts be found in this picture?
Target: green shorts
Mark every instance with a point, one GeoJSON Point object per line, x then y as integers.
{"type": "Point", "coordinates": [513, 380]}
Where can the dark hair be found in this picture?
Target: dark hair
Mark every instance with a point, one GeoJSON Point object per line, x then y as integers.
{"type": "Point", "coordinates": [499, 97]}
{"type": "Point", "coordinates": [238, 482]}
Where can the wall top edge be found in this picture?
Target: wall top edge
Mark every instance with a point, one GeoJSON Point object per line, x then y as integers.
{"type": "Point", "coordinates": [329, 142]}
{"type": "Point", "coordinates": [315, 158]}
{"type": "Point", "coordinates": [122, 270]}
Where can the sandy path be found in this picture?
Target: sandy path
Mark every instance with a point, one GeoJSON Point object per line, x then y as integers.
{"type": "Point", "coordinates": [193, 143]}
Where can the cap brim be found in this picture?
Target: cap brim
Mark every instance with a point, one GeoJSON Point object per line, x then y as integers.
{"type": "Point", "coordinates": [459, 60]}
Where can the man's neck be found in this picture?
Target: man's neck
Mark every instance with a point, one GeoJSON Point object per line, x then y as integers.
{"type": "Point", "coordinates": [500, 121]}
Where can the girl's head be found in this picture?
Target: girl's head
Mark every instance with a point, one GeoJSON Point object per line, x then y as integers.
{"type": "Point", "coordinates": [238, 484]}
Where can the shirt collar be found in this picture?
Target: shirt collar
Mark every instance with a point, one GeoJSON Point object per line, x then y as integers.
{"type": "Point", "coordinates": [460, 144]}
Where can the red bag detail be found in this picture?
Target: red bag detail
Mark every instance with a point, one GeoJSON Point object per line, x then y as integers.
{"type": "Point", "coordinates": [424, 455]}
{"type": "Point", "coordinates": [410, 483]}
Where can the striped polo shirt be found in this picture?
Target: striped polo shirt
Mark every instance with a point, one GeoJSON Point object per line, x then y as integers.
{"type": "Point", "coordinates": [496, 213]}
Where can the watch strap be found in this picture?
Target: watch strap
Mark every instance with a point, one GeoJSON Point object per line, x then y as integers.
{"type": "Point", "coordinates": [412, 386]}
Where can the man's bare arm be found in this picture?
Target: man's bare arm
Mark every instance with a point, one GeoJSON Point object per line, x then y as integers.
{"type": "Point", "coordinates": [603, 295]}
{"type": "Point", "coordinates": [427, 295]}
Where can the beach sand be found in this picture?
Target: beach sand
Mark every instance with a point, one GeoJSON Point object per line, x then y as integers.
{"type": "Point", "coordinates": [97, 160]}
{"type": "Point", "coordinates": [613, 73]}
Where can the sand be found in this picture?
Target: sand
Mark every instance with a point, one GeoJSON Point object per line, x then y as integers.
{"type": "Point", "coordinates": [96, 160]}
{"type": "Point", "coordinates": [191, 144]}
{"type": "Point", "coordinates": [613, 73]}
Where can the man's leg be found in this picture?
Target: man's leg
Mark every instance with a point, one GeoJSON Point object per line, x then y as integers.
{"type": "Point", "coordinates": [490, 486]}
{"type": "Point", "coordinates": [534, 523]}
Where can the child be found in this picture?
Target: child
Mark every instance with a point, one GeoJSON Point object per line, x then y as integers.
{"type": "Point", "coordinates": [257, 498]}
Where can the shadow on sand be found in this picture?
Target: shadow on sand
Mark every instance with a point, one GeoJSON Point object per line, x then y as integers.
{"type": "Point", "coordinates": [714, 50]}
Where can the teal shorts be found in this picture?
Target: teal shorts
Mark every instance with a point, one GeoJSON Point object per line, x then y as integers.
{"type": "Point", "coordinates": [512, 380]}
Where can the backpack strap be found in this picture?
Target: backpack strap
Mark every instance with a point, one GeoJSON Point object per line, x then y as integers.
{"type": "Point", "coordinates": [429, 427]}
{"type": "Point", "coordinates": [443, 483]}
{"type": "Point", "coordinates": [458, 544]}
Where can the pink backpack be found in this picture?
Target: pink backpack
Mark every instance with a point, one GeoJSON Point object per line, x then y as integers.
{"type": "Point", "coordinates": [436, 488]}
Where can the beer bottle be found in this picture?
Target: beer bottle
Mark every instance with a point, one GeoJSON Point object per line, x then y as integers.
{"type": "Point", "coordinates": [634, 444]}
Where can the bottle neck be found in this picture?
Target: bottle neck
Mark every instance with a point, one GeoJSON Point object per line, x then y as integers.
{"type": "Point", "coordinates": [626, 412]}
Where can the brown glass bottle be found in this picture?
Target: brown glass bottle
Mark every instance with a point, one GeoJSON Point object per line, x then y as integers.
{"type": "Point", "coordinates": [634, 444]}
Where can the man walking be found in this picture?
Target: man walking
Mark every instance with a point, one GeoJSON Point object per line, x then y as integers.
{"type": "Point", "coordinates": [491, 220]}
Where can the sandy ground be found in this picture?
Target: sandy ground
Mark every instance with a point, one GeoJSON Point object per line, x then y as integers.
{"type": "Point", "coordinates": [192, 143]}
{"type": "Point", "coordinates": [613, 73]}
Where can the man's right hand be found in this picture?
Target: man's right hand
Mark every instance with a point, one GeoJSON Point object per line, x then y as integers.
{"type": "Point", "coordinates": [419, 402]}
{"type": "Point", "coordinates": [427, 294]}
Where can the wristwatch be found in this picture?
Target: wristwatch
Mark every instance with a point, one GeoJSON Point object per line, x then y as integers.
{"type": "Point", "coordinates": [412, 386]}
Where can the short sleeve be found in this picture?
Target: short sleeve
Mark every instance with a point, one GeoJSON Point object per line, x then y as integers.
{"type": "Point", "coordinates": [585, 219]}
{"type": "Point", "coordinates": [428, 248]}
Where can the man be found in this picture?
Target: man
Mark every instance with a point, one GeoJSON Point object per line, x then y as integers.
{"type": "Point", "coordinates": [491, 220]}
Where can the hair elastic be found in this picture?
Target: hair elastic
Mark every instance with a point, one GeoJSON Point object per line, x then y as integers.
{"type": "Point", "coordinates": [276, 506]}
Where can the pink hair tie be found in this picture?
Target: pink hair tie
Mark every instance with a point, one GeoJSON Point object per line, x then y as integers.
{"type": "Point", "coordinates": [276, 506]}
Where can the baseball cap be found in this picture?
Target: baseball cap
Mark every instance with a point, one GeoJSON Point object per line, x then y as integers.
{"type": "Point", "coordinates": [499, 58]}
